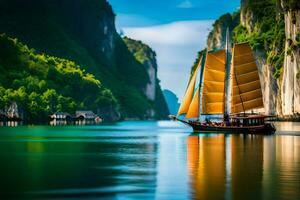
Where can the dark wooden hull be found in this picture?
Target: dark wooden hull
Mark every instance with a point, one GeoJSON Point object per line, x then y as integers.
{"type": "Point", "coordinates": [265, 129]}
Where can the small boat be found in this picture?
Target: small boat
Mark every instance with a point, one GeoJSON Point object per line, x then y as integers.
{"type": "Point", "coordinates": [229, 85]}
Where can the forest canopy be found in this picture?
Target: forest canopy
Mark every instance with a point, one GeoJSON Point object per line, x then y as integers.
{"type": "Point", "coordinates": [42, 84]}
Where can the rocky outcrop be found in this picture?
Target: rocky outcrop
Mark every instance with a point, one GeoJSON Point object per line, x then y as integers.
{"type": "Point", "coordinates": [147, 58]}
{"type": "Point", "coordinates": [217, 37]}
{"type": "Point", "coordinates": [247, 15]}
{"type": "Point", "coordinates": [152, 73]}
{"type": "Point", "coordinates": [290, 86]}
{"type": "Point", "coordinates": [269, 84]}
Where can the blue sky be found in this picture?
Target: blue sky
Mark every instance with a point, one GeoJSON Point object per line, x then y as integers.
{"type": "Point", "coordinates": [175, 29]}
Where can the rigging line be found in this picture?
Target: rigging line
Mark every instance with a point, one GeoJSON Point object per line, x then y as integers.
{"type": "Point", "coordinates": [239, 89]}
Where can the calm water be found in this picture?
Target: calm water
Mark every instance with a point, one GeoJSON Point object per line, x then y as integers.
{"type": "Point", "coordinates": [147, 160]}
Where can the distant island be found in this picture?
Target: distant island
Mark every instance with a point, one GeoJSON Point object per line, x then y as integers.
{"type": "Point", "coordinates": [172, 101]}
{"type": "Point", "coordinates": [63, 56]}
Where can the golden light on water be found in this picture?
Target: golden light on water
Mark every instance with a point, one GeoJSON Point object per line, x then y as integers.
{"type": "Point", "coordinates": [251, 165]}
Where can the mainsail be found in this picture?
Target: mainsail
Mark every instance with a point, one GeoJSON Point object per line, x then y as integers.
{"type": "Point", "coordinates": [246, 89]}
{"type": "Point", "coordinates": [184, 107]}
{"type": "Point", "coordinates": [213, 83]}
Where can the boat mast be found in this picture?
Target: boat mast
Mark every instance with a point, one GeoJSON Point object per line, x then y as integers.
{"type": "Point", "coordinates": [227, 91]}
{"type": "Point", "coordinates": [201, 83]}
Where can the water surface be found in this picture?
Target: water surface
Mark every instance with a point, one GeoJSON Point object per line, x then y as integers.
{"type": "Point", "coordinates": [147, 160]}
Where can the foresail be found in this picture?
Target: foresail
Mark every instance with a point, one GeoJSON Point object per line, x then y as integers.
{"type": "Point", "coordinates": [184, 107]}
{"type": "Point", "coordinates": [213, 83]}
{"type": "Point", "coordinates": [193, 111]}
{"type": "Point", "coordinates": [246, 88]}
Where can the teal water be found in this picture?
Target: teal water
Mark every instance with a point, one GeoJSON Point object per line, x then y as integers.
{"type": "Point", "coordinates": [147, 160]}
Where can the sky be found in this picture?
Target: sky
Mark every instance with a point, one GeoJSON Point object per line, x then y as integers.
{"type": "Point", "coordinates": [175, 29]}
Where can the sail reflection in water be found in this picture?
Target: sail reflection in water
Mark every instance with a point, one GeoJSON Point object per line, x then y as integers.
{"type": "Point", "coordinates": [206, 161]}
{"type": "Point", "coordinates": [244, 167]}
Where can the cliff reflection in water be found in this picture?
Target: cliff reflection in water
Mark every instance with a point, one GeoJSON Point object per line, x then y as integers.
{"type": "Point", "coordinates": [244, 167]}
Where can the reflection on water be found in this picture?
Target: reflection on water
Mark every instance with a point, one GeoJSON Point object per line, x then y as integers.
{"type": "Point", "coordinates": [244, 167]}
{"type": "Point", "coordinates": [287, 127]}
{"type": "Point", "coordinates": [146, 160]}
{"type": "Point", "coordinates": [10, 123]}
{"type": "Point", "coordinates": [56, 122]}
{"type": "Point", "coordinates": [282, 167]}
{"type": "Point", "coordinates": [206, 161]}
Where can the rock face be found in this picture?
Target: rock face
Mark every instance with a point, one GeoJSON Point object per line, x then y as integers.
{"type": "Point", "coordinates": [246, 15]}
{"type": "Point", "coordinates": [147, 58]}
{"type": "Point", "coordinates": [290, 87]}
{"type": "Point", "coordinates": [217, 36]}
{"type": "Point", "coordinates": [269, 84]}
{"type": "Point", "coordinates": [152, 73]}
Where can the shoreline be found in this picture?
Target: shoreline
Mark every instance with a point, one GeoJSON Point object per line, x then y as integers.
{"type": "Point", "coordinates": [21, 123]}
{"type": "Point", "coordinates": [292, 118]}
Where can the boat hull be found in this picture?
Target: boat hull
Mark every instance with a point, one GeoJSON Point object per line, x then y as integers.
{"type": "Point", "coordinates": [265, 129]}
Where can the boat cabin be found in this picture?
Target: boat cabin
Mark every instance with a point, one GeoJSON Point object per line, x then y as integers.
{"type": "Point", "coordinates": [251, 120]}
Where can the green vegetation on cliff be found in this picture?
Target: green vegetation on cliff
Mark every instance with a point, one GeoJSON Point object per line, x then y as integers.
{"type": "Point", "coordinates": [84, 32]}
{"type": "Point", "coordinates": [196, 63]}
{"type": "Point", "coordinates": [291, 4]}
{"type": "Point", "coordinates": [267, 31]}
{"type": "Point", "coordinates": [262, 25]}
{"type": "Point", "coordinates": [43, 84]}
{"type": "Point", "coordinates": [141, 52]}
{"type": "Point", "coordinates": [147, 57]}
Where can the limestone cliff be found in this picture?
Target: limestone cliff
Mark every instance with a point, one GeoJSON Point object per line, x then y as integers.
{"type": "Point", "coordinates": [147, 57]}
{"type": "Point", "coordinates": [290, 86]}
{"type": "Point", "coordinates": [273, 31]}
{"type": "Point", "coordinates": [216, 38]}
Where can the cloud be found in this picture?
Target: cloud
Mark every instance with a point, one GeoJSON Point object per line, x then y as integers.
{"type": "Point", "coordinates": [185, 4]}
{"type": "Point", "coordinates": [176, 45]}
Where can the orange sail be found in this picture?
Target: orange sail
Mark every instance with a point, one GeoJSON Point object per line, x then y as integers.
{"type": "Point", "coordinates": [213, 83]}
{"type": "Point", "coordinates": [246, 89]}
{"type": "Point", "coordinates": [184, 107]}
{"type": "Point", "coordinates": [193, 111]}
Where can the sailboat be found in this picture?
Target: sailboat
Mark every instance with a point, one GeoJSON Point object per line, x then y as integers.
{"type": "Point", "coordinates": [229, 85]}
